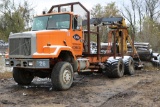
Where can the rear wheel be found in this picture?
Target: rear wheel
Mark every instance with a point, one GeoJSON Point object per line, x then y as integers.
{"type": "Point", "coordinates": [128, 65]}
{"type": "Point", "coordinates": [114, 68]}
{"type": "Point", "coordinates": [22, 76]}
{"type": "Point", "coordinates": [62, 76]}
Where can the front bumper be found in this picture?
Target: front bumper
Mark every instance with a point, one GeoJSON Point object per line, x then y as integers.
{"type": "Point", "coordinates": [28, 63]}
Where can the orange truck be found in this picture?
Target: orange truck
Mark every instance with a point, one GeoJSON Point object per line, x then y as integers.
{"type": "Point", "coordinates": [58, 46]}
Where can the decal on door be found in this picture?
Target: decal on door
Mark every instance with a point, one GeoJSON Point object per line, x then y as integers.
{"type": "Point", "coordinates": [76, 37]}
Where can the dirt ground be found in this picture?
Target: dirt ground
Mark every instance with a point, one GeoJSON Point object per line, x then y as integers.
{"type": "Point", "coordinates": [139, 90]}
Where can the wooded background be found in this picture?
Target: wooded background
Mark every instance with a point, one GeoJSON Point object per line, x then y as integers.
{"type": "Point", "coordinates": [142, 17]}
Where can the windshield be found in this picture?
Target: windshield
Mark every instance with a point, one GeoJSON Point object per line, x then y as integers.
{"type": "Point", "coordinates": [56, 21]}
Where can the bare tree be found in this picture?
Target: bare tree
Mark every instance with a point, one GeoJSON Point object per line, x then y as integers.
{"type": "Point", "coordinates": [152, 8]}
{"type": "Point", "coordinates": [130, 15]}
{"type": "Point", "coordinates": [147, 8]}
{"type": "Point", "coordinates": [139, 7]}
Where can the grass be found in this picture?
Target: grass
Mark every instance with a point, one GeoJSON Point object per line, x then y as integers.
{"type": "Point", "coordinates": [5, 75]}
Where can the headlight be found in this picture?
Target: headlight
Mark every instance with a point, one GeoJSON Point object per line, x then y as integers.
{"type": "Point", "coordinates": [30, 63]}
{"type": "Point", "coordinates": [7, 62]}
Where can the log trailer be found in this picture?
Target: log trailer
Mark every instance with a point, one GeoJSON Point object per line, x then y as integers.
{"type": "Point", "coordinates": [57, 47]}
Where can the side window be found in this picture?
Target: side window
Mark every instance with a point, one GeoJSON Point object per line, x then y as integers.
{"type": "Point", "coordinates": [74, 23]}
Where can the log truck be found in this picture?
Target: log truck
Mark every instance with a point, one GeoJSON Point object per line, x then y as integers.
{"type": "Point", "coordinates": [57, 46]}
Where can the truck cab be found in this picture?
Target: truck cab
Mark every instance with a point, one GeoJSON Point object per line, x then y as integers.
{"type": "Point", "coordinates": [51, 34]}
{"type": "Point", "coordinates": [61, 29]}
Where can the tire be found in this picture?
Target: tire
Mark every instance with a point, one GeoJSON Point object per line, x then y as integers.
{"type": "Point", "coordinates": [22, 76]}
{"type": "Point", "coordinates": [62, 76]}
{"type": "Point", "coordinates": [128, 65]}
{"type": "Point", "coordinates": [114, 68]}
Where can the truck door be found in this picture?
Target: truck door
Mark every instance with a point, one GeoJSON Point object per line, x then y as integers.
{"type": "Point", "coordinates": [76, 34]}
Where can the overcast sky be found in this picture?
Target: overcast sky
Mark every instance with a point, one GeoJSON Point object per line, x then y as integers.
{"type": "Point", "coordinates": [40, 5]}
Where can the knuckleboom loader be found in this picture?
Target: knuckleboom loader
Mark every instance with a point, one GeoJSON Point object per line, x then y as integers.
{"type": "Point", "coordinates": [57, 47]}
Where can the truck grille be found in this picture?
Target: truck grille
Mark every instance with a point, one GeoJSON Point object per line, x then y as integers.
{"type": "Point", "coordinates": [20, 46]}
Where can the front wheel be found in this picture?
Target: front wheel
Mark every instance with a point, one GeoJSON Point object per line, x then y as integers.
{"type": "Point", "coordinates": [22, 76]}
{"type": "Point", "coordinates": [62, 76]}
